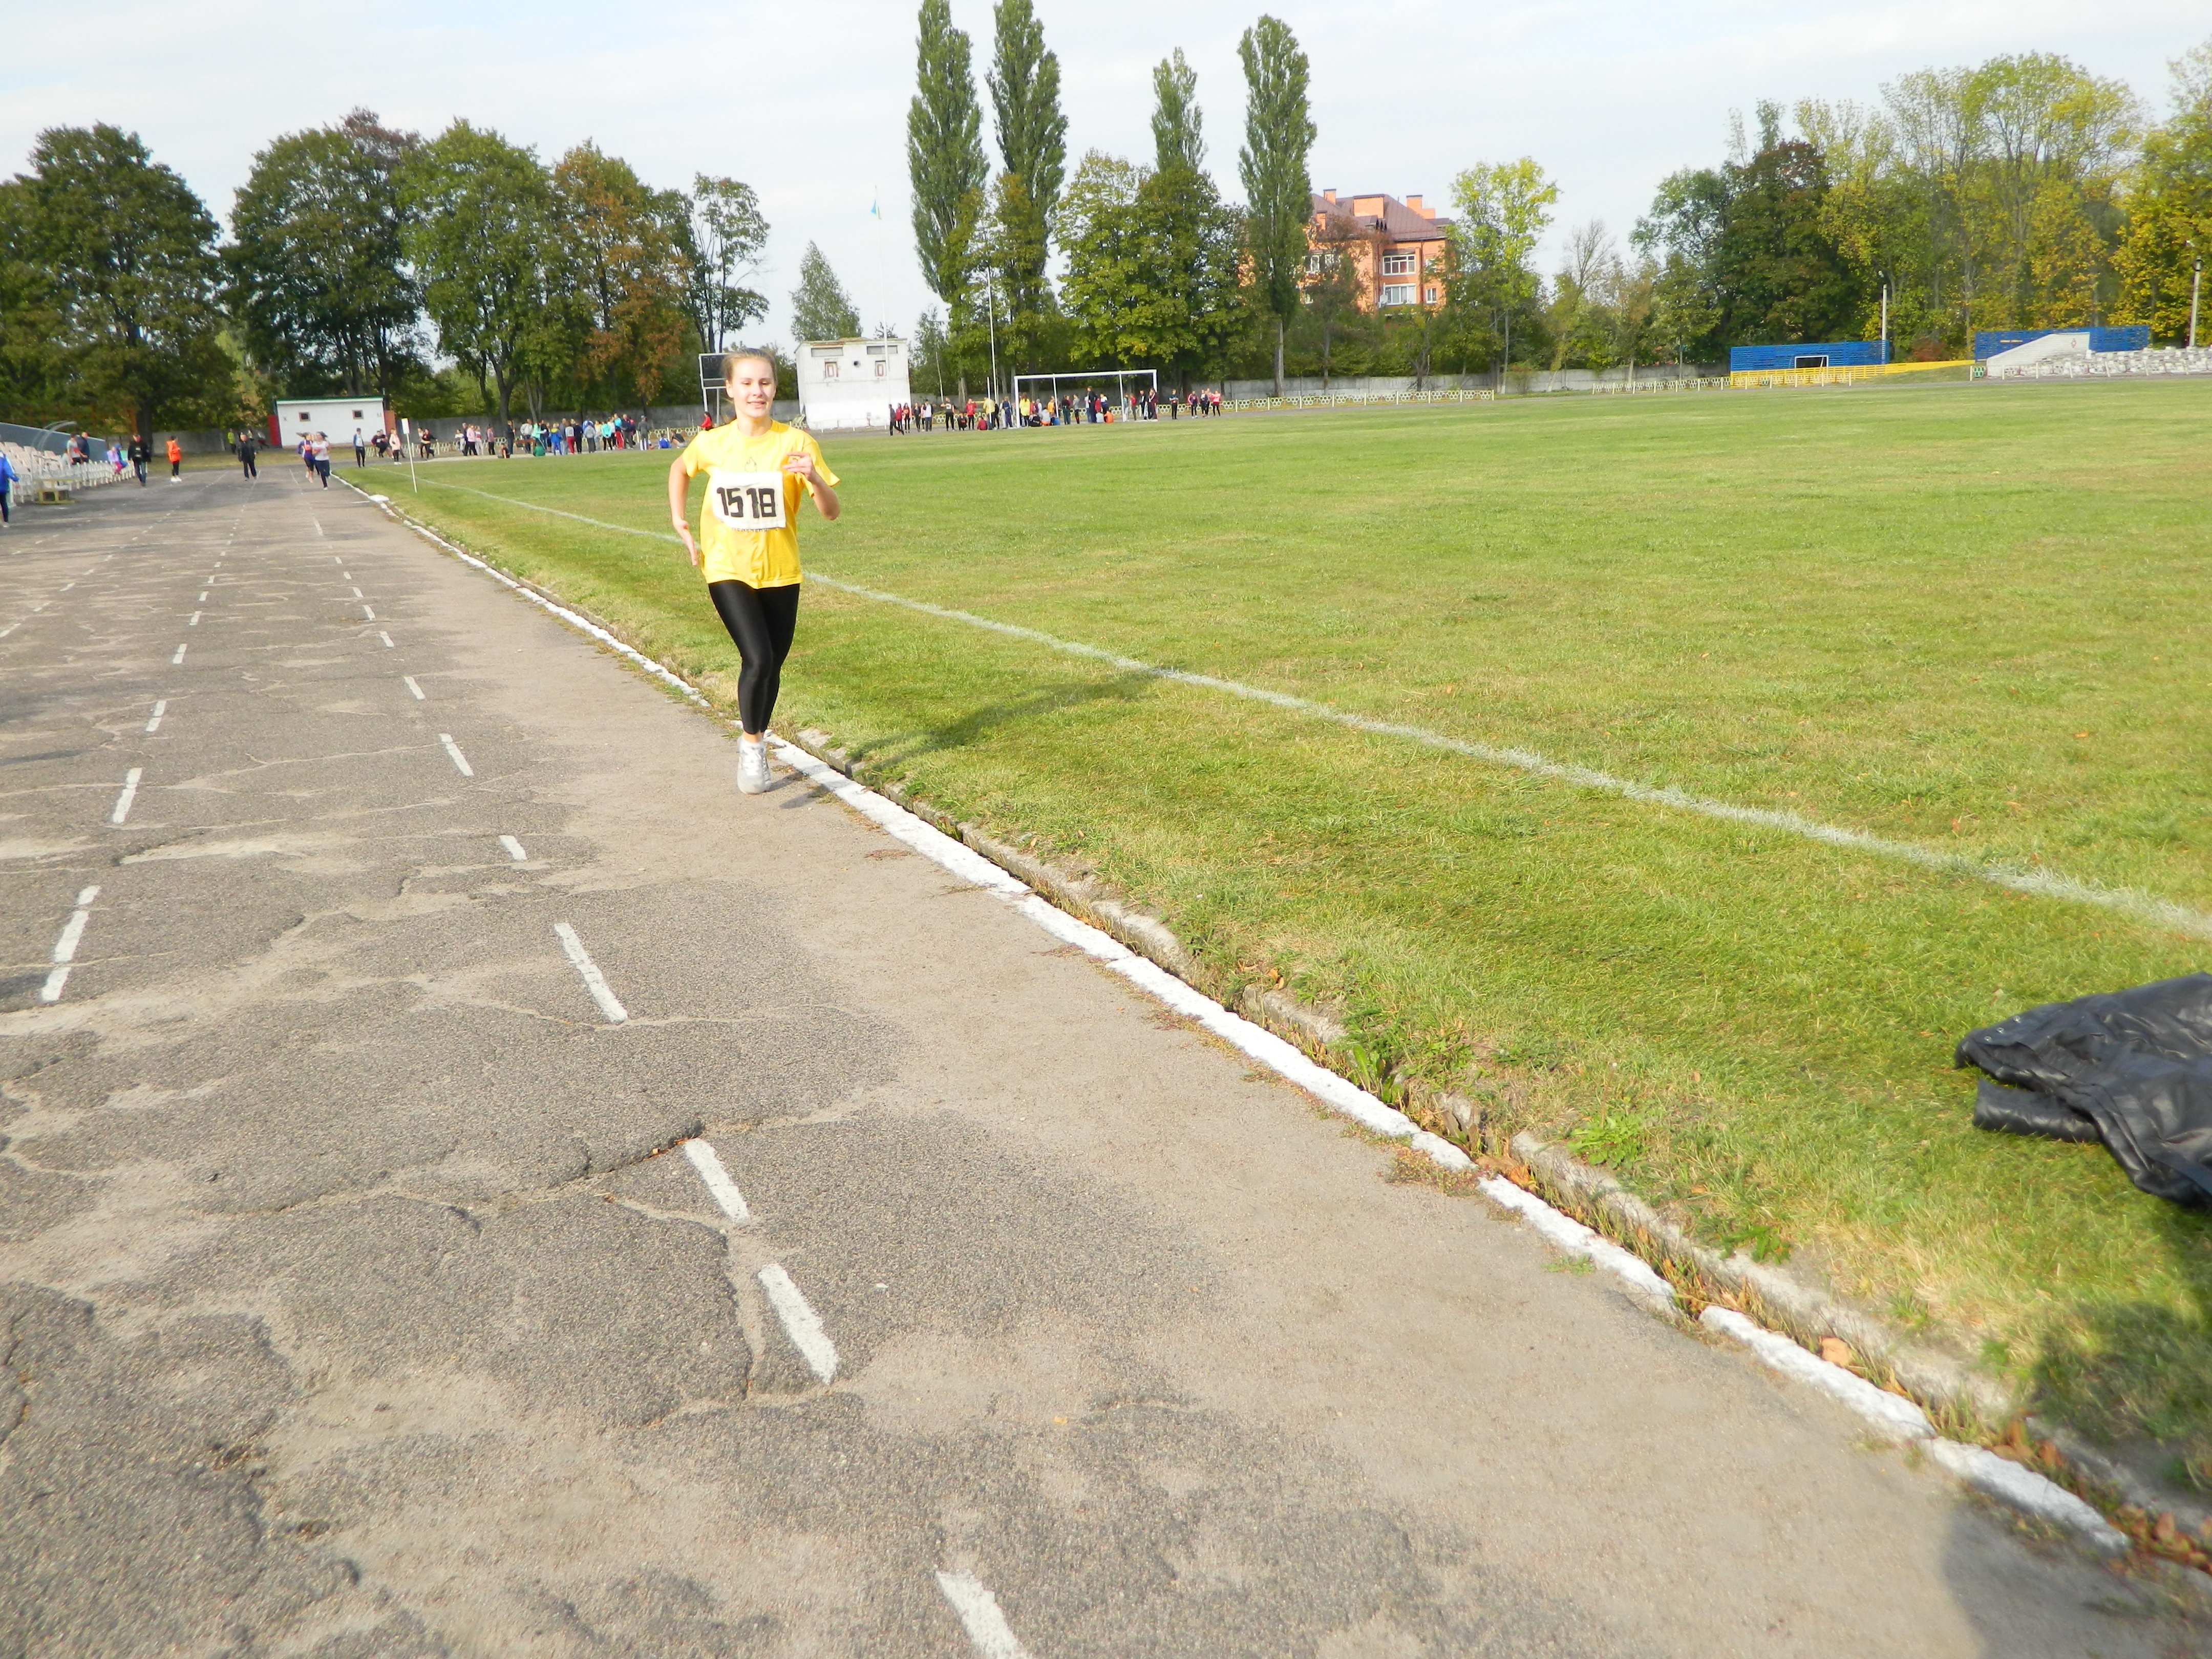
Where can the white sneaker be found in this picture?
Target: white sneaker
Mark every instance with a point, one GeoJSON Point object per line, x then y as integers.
{"type": "Point", "coordinates": [752, 768]}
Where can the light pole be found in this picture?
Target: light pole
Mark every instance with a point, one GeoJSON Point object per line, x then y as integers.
{"type": "Point", "coordinates": [1885, 317]}
{"type": "Point", "coordinates": [991, 312]}
{"type": "Point", "coordinates": [2196, 287]}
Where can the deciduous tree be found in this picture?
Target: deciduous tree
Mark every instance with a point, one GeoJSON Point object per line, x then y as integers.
{"type": "Point", "coordinates": [131, 279]}
{"type": "Point", "coordinates": [318, 271]}
{"type": "Point", "coordinates": [1502, 209]}
{"type": "Point", "coordinates": [481, 220]}
{"type": "Point", "coordinates": [1178, 134]}
{"type": "Point", "coordinates": [2170, 209]}
{"type": "Point", "coordinates": [720, 235]}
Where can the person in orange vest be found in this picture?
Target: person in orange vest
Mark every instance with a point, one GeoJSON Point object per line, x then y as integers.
{"type": "Point", "coordinates": [176, 461]}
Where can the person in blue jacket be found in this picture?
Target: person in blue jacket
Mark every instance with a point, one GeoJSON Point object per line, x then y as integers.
{"type": "Point", "coordinates": [8, 476]}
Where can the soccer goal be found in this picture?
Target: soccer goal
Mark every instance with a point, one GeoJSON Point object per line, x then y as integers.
{"type": "Point", "coordinates": [1122, 380]}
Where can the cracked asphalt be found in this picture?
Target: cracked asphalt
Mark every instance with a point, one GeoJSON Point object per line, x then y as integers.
{"type": "Point", "coordinates": [357, 1300]}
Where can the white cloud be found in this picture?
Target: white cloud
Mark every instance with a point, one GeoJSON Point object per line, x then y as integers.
{"type": "Point", "coordinates": [809, 103]}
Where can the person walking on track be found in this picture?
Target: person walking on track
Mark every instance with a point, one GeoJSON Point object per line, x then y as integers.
{"type": "Point", "coordinates": [176, 462]}
{"type": "Point", "coordinates": [8, 476]}
{"type": "Point", "coordinates": [246, 453]}
{"type": "Point", "coordinates": [747, 546]}
{"type": "Point", "coordinates": [140, 452]}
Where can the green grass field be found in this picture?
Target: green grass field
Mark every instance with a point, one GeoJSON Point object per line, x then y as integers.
{"type": "Point", "coordinates": [1973, 618]}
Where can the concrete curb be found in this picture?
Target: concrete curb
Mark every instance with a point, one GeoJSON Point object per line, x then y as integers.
{"type": "Point", "coordinates": [1896, 1419]}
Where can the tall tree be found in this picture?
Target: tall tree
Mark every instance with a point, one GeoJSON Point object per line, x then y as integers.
{"type": "Point", "coordinates": [1503, 207]}
{"type": "Point", "coordinates": [720, 235]}
{"type": "Point", "coordinates": [945, 158]}
{"type": "Point", "coordinates": [622, 258]}
{"type": "Point", "coordinates": [480, 221]}
{"type": "Point", "coordinates": [820, 309]}
{"type": "Point", "coordinates": [1278, 136]}
{"type": "Point", "coordinates": [126, 254]}
{"type": "Point", "coordinates": [1178, 137]}
{"type": "Point", "coordinates": [1104, 246]}
{"type": "Point", "coordinates": [2170, 218]}
{"type": "Point", "coordinates": [318, 272]}
{"type": "Point", "coordinates": [1032, 133]}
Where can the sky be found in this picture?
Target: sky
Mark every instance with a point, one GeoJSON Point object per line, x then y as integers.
{"type": "Point", "coordinates": [808, 103]}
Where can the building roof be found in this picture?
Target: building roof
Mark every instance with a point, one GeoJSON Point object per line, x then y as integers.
{"type": "Point", "coordinates": [1394, 218]}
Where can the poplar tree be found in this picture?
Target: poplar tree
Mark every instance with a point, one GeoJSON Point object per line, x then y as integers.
{"type": "Point", "coordinates": [1032, 134]}
{"type": "Point", "coordinates": [1278, 134]}
{"type": "Point", "coordinates": [1177, 142]}
{"type": "Point", "coordinates": [945, 160]}
{"type": "Point", "coordinates": [722, 234]}
{"type": "Point", "coordinates": [820, 309]}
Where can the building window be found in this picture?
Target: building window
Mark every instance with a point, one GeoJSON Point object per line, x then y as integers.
{"type": "Point", "coordinates": [1397, 265]}
{"type": "Point", "coordinates": [828, 370]}
{"type": "Point", "coordinates": [1398, 293]}
{"type": "Point", "coordinates": [1432, 296]}
{"type": "Point", "coordinates": [1312, 265]}
{"type": "Point", "coordinates": [880, 368]}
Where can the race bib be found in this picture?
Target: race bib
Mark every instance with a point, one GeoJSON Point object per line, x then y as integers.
{"type": "Point", "coordinates": [746, 501]}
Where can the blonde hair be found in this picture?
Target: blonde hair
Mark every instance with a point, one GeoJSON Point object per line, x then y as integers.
{"type": "Point", "coordinates": [731, 359]}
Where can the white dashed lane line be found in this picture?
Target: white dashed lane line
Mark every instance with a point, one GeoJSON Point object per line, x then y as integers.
{"type": "Point", "coordinates": [160, 709]}
{"type": "Point", "coordinates": [453, 753]}
{"type": "Point", "coordinates": [369, 613]}
{"type": "Point", "coordinates": [195, 622]}
{"type": "Point", "coordinates": [800, 1322]}
{"type": "Point", "coordinates": [514, 849]}
{"type": "Point", "coordinates": [178, 658]}
{"type": "Point", "coordinates": [408, 680]}
{"type": "Point", "coordinates": [65, 946]}
{"type": "Point", "coordinates": [724, 1190]}
{"type": "Point", "coordinates": [988, 1632]}
{"type": "Point", "coordinates": [129, 794]}
{"type": "Point", "coordinates": [594, 981]}
{"type": "Point", "coordinates": [387, 638]}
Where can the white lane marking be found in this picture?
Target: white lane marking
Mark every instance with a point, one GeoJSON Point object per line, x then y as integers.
{"type": "Point", "coordinates": [513, 849]}
{"type": "Point", "coordinates": [337, 562]}
{"type": "Point", "coordinates": [160, 709]}
{"type": "Point", "coordinates": [409, 681]}
{"type": "Point", "coordinates": [387, 638]}
{"type": "Point", "coordinates": [129, 794]}
{"type": "Point", "coordinates": [202, 599]}
{"type": "Point", "coordinates": [12, 626]}
{"type": "Point", "coordinates": [65, 587]}
{"type": "Point", "coordinates": [178, 658]}
{"type": "Point", "coordinates": [1900, 1420]}
{"type": "Point", "coordinates": [366, 612]}
{"type": "Point", "coordinates": [357, 593]}
{"type": "Point", "coordinates": [453, 753]}
{"type": "Point", "coordinates": [800, 1322]}
{"type": "Point", "coordinates": [708, 1164]}
{"type": "Point", "coordinates": [2144, 907]}
{"type": "Point", "coordinates": [318, 523]}
{"type": "Point", "coordinates": [988, 1630]}
{"type": "Point", "coordinates": [195, 622]}
{"type": "Point", "coordinates": [65, 946]}
{"type": "Point", "coordinates": [594, 981]}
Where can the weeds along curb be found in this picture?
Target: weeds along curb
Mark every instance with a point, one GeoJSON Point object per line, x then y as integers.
{"type": "Point", "coordinates": [1655, 1262]}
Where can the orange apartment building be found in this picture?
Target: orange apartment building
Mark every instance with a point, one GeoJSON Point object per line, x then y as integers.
{"type": "Point", "coordinates": [1396, 247]}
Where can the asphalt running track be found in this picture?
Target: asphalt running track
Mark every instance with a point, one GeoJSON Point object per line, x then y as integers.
{"type": "Point", "coordinates": [474, 1183]}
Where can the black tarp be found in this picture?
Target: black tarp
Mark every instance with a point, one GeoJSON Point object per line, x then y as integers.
{"type": "Point", "coordinates": [2131, 1068]}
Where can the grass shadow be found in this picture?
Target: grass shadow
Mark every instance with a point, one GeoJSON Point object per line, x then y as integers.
{"type": "Point", "coordinates": [905, 747]}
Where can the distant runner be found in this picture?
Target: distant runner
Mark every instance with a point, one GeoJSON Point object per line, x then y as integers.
{"type": "Point", "coordinates": [748, 540]}
{"type": "Point", "coordinates": [176, 462]}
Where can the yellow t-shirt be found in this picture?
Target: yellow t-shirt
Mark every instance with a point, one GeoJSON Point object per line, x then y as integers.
{"type": "Point", "coordinates": [759, 558]}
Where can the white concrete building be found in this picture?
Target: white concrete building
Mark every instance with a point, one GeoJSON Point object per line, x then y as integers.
{"type": "Point", "coordinates": [849, 384]}
{"type": "Point", "coordinates": [340, 417]}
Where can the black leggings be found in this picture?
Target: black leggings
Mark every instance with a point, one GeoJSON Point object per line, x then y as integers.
{"type": "Point", "coordinates": [761, 620]}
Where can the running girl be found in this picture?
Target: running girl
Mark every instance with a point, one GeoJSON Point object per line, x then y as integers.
{"type": "Point", "coordinates": [748, 541]}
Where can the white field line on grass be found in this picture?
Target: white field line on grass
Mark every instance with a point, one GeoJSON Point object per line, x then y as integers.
{"type": "Point", "coordinates": [2143, 907]}
{"type": "Point", "coordinates": [1993, 1476]}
